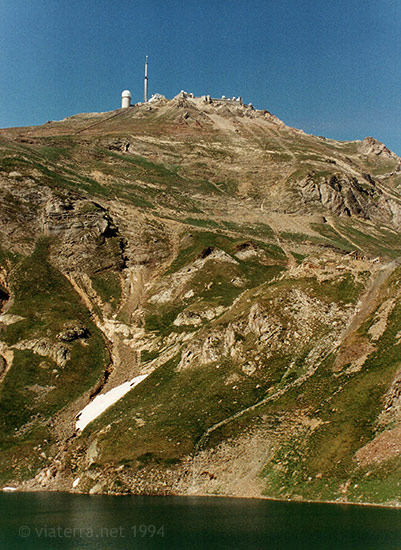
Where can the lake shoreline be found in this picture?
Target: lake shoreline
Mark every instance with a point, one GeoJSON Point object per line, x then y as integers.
{"type": "Point", "coordinates": [262, 498]}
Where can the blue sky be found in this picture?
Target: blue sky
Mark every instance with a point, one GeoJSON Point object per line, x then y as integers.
{"type": "Point", "coordinates": [330, 67]}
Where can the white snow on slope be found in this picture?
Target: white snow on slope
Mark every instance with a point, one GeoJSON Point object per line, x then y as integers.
{"type": "Point", "coordinates": [104, 401]}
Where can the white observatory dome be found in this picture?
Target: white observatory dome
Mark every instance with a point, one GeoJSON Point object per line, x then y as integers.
{"type": "Point", "coordinates": [125, 99]}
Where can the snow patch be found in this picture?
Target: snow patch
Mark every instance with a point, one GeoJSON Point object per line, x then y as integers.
{"type": "Point", "coordinates": [104, 401]}
{"type": "Point", "coordinates": [76, 481]}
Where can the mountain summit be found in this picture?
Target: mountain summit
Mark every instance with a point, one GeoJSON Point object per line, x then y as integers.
{"type": "Point", "coordinates": [198, 299]}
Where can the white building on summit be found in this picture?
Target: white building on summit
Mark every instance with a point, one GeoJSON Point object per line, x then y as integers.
{"type": "Point", "coordinates": [125, 99]}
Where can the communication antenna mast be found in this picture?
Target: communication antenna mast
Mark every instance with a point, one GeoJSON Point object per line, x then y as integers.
{"type": "Point", "coordinates": [146, 80]}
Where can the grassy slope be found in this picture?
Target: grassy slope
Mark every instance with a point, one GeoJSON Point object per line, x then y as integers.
{"type": "Point", "coordinates": [317, 464]}
{"type": "Point", "coordinates": [46, 301]}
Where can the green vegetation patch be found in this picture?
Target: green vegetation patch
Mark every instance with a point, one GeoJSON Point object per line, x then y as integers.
{"type": "Point", "coordinates": [146, 170]}
{"type": "Point", "coordinates": [319, 463]}
{"type": "Point", "coordinates": [198, 222]}
{"type": "Point", "coordinates": [217, 283]}
{"type": "Point", "coordinates": [195, 243]}
{"type": "Point", "coordinates": [176, 407]}
{"type": "Point", "coordinates": [36, 387]}
{"type": "Point", "coordinates": [107, 284]}
{"type": "Point", "coordinates": [377, 482]}
{"type": "Point", "coordinates": [327, 232]}
{"type": "Point", "coordinates": [149, 355]}
{"type": "Point", "coordinates": [342, 290]}
{"type": "Point", "coordinates": [45, 171]}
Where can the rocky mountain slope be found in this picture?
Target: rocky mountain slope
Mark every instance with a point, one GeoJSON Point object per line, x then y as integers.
{"type": "Point", "coordinates": [250, 270]}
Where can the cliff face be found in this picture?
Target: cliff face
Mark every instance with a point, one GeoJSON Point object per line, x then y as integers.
{"type": "Point", "coordinates": [249, 270]}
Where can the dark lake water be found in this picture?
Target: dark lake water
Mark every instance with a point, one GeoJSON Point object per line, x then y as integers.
{"type": "Point", "coordinates": [46, 521]}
